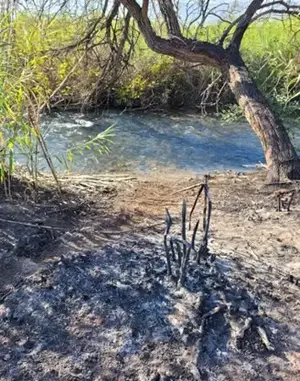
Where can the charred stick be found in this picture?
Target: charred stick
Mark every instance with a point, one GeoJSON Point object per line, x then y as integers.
{"type": "Point", "coordinates": [179, 253]}
{"type": "Point", "coordinates": [186, 246]}
{"type": "Point", "coordinates": [184, 243]}
{"type": "Point", "coordinates": [195, 204]}
{"type": "Point", "coordinates": [290, 201]}
{"type": "Point", "coordinates": [167, 231]}
{"type": "Point", "coordinates": [172, 250]}
{"type": "Point", "coordinates": [205, 202]}
{"type": "Point", "coordinates": [207, 221]}
{"type": "Point", "coordinates": [183, 226]}
{"type": "Point", "coordinates": [194, 234]}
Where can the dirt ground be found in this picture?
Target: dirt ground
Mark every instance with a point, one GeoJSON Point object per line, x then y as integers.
{"type": "Point", "coordinates": [84, 293]}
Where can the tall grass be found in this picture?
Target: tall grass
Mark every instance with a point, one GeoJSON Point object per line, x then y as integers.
{"type": "Point", "coordinates": [273, 52]}
{"type": "Point", "coordinates": [32, 77]}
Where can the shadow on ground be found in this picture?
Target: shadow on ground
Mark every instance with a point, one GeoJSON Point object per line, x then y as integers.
{"type": "Point", "coordinates": [39, 223]}
{"type": "Point", "coordinates": [113, 314]}
{"type": "Point", "coordinates": [82, 311]}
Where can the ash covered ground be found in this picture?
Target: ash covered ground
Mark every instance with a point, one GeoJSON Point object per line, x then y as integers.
{"type": "Point", "coordinates": [105, 309]}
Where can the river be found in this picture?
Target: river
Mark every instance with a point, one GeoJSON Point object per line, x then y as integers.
{"type": "Point", "coordinates": [144, 142]}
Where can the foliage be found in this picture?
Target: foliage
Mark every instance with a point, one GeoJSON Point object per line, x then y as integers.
{"type": "Point", "coordinates": [33, 78]}
{"type": "Point", "coordinates": [100, 143]}
{"type": "Point", "coordinates": [270, 49]}
{"type": "Point", "coordinates": [41, 66]}
{"type": "Point", "coordinates": [231, 113]}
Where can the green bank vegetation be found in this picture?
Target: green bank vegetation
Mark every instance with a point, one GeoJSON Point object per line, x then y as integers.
{"type": "Point", "coordinates": [49, 63]}
{"type": "Point", "coordinates": [43, 57]}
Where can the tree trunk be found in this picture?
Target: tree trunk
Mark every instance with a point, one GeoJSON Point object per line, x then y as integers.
{"type": "Point", "coordinates": [281, 157]}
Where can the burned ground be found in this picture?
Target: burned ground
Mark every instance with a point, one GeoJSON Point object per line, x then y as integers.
{"type": "Point", "coordinates": [93, 300]}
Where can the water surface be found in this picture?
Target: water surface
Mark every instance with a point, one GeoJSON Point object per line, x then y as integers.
{"type": "Point", "coordinates": [144, 142]}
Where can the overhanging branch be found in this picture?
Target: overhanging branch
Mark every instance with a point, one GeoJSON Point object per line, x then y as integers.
{"type": "Point", "coordinates": [179, 47]}
{"type": "Point", "coordinates": [253, 13]}
{"type": "Point", "coordinates": [281, 3]}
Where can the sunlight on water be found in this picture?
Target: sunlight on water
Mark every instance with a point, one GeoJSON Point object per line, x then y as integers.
{"type": "Point", "coordinates": [144, 142]}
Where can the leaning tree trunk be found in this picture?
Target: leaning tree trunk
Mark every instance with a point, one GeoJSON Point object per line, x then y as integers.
{"type": "Point", "coordinates": [281, 157]}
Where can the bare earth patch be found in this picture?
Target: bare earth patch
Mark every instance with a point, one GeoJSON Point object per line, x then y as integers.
{"type": "Point", "coordinates": [85, 294]}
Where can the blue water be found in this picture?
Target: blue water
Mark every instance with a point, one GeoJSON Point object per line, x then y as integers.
{"type": "Point", "coordinates": [144, 142]}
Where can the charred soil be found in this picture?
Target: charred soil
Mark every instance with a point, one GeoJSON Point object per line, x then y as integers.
{"type": "Point", "coordinates": [85, 295]}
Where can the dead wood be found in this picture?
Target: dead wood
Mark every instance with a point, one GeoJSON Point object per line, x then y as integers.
{"type": "Point", "coordinates": [184, 247]}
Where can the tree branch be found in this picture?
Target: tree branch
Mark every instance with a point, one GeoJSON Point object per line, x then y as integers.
{"type": "Point", "coordinates": [182, 48]}
{"type": "Point", "coordinates": [246, 19]}
{"type": "Point", "coordinates": [94, 28]}
{"type": "Point", "coordinates": [145, 8]}
{"type": "Point", "coordinates": [228, 30]}
{"type": "Point", "coordinates": [282, 3]}
{"type": "Point", "coordinates": [278, 12]}
{"type": "Point", "coordinates": [170, 17]}
{"type": "Point", "coordinates": [243, 24]}
{"type": "Point", "coordinates": [111, 16]}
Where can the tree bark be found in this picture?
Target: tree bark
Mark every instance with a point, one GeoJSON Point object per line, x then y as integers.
{"type": "Point", "coordinates": [281, 157]}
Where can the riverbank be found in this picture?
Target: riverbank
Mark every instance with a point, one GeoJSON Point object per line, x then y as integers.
{"type": "Point", "coordinates": [85, 295]}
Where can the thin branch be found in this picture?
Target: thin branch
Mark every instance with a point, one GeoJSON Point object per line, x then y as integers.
{"type": "Point", "coordinates": [195, 203]}
{"type": "Point", "coordinates": [282, 3]}
{"type": "Point", "coordinates": [277, 11]}
{"type": "Point", "coordinates": [30, 225]}
{"type": "Point", "coordinates": [228, 30]}
{"type": "Point", "coordinates": [188, 188]}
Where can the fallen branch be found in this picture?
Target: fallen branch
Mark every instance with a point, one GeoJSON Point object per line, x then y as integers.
{"type": "Point", "coordinates": [38, 225]}
{"type": "Point", "coordinates": [188, 188]}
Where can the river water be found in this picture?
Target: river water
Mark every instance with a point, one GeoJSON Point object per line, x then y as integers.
{"type": "Point", "coordinates": [144, 142]}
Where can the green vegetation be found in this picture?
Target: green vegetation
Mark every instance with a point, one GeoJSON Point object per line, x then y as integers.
{"type": "Point", "coordinates": [33, 78]}
{"type": "Point", "coordinates": [148, 80]}
{"type": "Point", "coordinates": [46, 63]}
{"type": "Point", "coordinates": [270, 49]}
